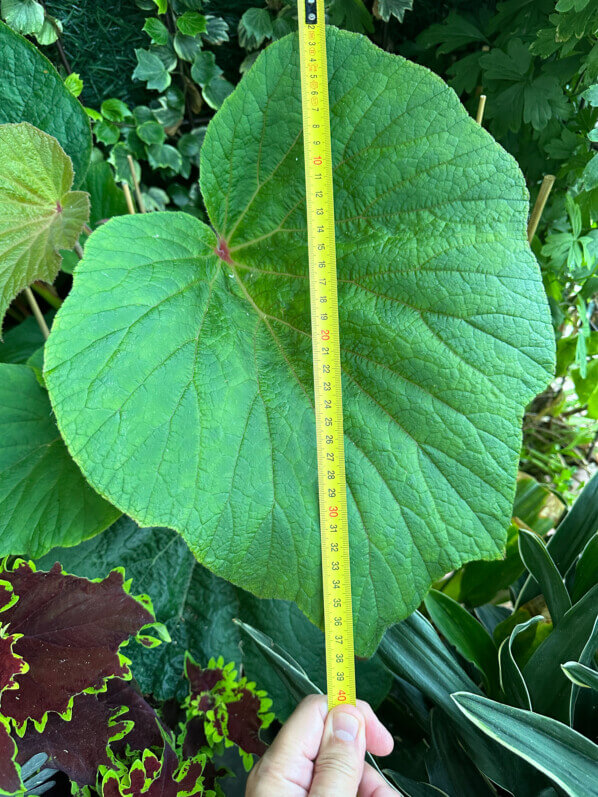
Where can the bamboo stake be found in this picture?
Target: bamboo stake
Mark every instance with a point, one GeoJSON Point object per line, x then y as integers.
{"type": "Point", "coordinates": [538, 208]}
{"type": "Point", "coordinates": [128, 197]}
{"type": "Point", "coordinates": [140, 202]}
{"type": "Point", "coordinates": [481, 106]}
{"type": "Point", "coordinates": [37, 313]}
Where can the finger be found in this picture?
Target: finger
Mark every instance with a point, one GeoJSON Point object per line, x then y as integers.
{"type": "Point", "coordinates": [378, 740]}
{"type": "Point", "coordinates": [339, 765]}
{"type": "Point", "coordinates": [287, 766]}
{"type": "Point", "coordinates": [373, 784]}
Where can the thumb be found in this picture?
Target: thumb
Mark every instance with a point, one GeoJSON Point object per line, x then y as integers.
{"type": "Point", "coordinates": [339, 765]}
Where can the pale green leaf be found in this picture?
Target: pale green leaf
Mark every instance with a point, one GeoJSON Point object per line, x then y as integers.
{"type": "Point", "coordinates": [156, 30]}
{"type": "Point", "coordinates": [49, 31]}
{"type": "Point", "coordinates": [74, 84]}
{"type": "Point", "coordinates": [191, 23]}
{"type": "Point", "coordinates": [44, 499]}
{"type": "Point", "coordinates": [39, 215]}
{"type": "Point", "coordinates": [208, 428]}
{"type": "Point", "coordinates": [25, 16]}
{"type": "Point", "coordinates": [35, 93]}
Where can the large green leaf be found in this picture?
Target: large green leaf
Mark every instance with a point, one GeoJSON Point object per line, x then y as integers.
{"type": "Point", "coordinates": [198, 609]}
{"type": "Point", "coordinates": [39, 214]}
{"type": "Point", "coordinates": [567, 757]}
{"type": "Point", "coordinates": [44, 499]}
{"type": "Point", "coordinates": [31, 90]}
{"type": "Point", "coordinates": [180, 366]}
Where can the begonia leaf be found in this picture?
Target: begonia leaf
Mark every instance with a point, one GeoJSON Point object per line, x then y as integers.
{"type": "Point", "coordinates": [445, 330]}
{"type": "Point", "coordinates": [39, 214]}
{"type": "Point", "coordinates": [44, 499]}
{"type": "Point", "coordinates": [71, 631]}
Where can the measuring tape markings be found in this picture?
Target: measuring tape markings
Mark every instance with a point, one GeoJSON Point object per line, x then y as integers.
{"type": "Point", "coordinates": [336, 570]}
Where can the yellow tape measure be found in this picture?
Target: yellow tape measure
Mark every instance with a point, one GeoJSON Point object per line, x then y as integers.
{"type": "Point", "coordinates": [336, 571]}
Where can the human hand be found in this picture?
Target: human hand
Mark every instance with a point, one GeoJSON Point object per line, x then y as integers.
{"type": "Point", "coordinates": [321, 754]}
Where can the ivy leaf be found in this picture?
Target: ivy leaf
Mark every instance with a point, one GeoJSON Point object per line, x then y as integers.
{"type": "Point", "coordinates": [191, 23]}
{"type": "Point", "coordinates": [151, 68]}
{"type": "Point", "coordinates": [384, 9]}
{"type": "Point", "coordinates": [216, 30]}
{"type": "Point", "coordinates": [71, 631]}
{"type": "Point", "coordinates": [255, 26]}
{"type": "Point", "coordinates": [25, 16]}
{"type": "Point", "coordinates": [351, 15]}
{"type": "Point", "coordinates": [35, 93]}
{"type": "Point", "coordinates": [39, 214]}
{"type": "Point", "coordinates": [446, 336]}
{"type": "Point", "coordinates": [156, 30]}
{"type": "Point", "coordinates": [44, 499]}
{"type": "Point", "coordinates": [106, 198]}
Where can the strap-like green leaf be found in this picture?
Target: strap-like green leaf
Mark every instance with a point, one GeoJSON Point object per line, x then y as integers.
{"type": "Point", "coordinates": [468, 635]}
{"type": "Point", "coordinates": [549, 688]}
{"type": "Point", "coordinates": [511, 678]}
{"type": "Point", "coordinates": [586, 572]}
{"type": "Point", "coordinates": [571, 536]}
{"type": "Point", "coordinates": [586, 658]}
{"type": "Point", "coordinates": [581, 675]}
{"type": "Point", "coordinates": [538, 561]}
{"type": "Point", "coordinates": [567, 757]}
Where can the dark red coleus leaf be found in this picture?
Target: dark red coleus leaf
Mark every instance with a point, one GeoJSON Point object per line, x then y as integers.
{"type": "Point", "coordinates": [244, 723]}
{"type": "Point", "coordinates": [77, 746]}
{"type": "Point", "coordinates": [10, 780]}
{"type": "Point", "coordinates": [10, 664]}
{"type": "Point", "coordinates": [146, 729]}
{"type": "Point", "coordinates": [201, 680]}
{"type": "Point", "coordinates": [195, 737]}
{"type": "Point", "coordinates": [150, 777]}
{"type": "Point", "coordinates": [72, 629]}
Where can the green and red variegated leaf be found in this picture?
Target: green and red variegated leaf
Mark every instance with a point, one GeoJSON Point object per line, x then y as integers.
{"type": "Point", "coordinates": [70, 632]}
{"type": "Point", "coordinates": [151, 777]}
{"type": "Point", "coordinates": [145, 732]}
{"type": "Point", "coordinates": [11, 664]}
{"type": "Point", "coordinates": [10, 779]}
{"type": "Point", "coordinates": [77, 746]}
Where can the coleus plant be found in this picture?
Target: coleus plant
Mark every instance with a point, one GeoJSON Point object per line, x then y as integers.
{"type": "Point", "coordinates": [179, 367]}
{"type": "Point", "coordinates": [66, 691]}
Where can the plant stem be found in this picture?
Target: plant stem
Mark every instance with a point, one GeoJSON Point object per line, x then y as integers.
{"type": "Point", "coordinates": [536, 213]}
{"type": "Point", "coordinates": [128, 197]}
{"type": "Point", "coordinates": [41, 290]}
{"type": "Point", "coordinates": [87, 229]}
{"type": "Point", "coordinates": [481, 106]}
{"type": "Point", "coordinates": [140, 202]}
{"type": "Point", "coordinates": [37, 313]}
{"type": "Point", "coordinates": [78, 249]}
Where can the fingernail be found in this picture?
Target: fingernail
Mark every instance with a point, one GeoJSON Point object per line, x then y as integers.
{"type": "Point", "coordinates": [345, 726]}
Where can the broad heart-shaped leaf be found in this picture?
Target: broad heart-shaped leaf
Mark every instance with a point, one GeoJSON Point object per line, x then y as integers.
{"type": "Point", "coordinates": [198, 609]}
{"type": "Point", "coordinates": [71, 631]}
{"type": "Point", "coordinates": [39, 214]}
{"type": "Point", "coordinates": [31, 90]}
{"type": "Point", "coordinates": [180, 366]}
{"type": "Point", "coordinates": [44, 499]}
